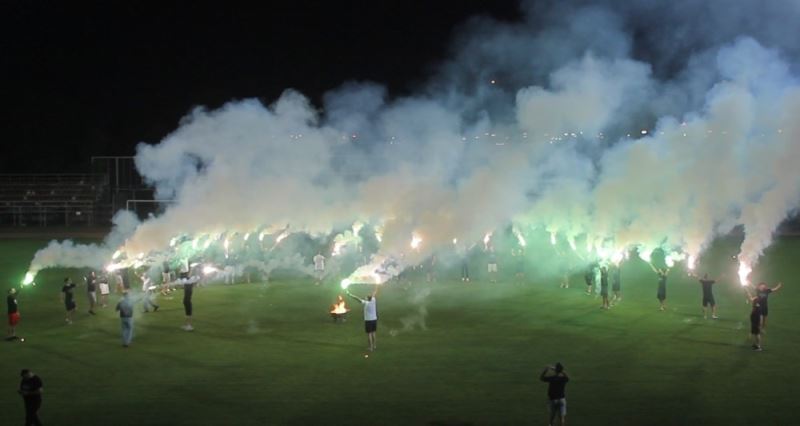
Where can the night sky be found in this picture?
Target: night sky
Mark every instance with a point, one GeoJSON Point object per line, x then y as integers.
{"type": "Point", "coordinates": [89, 79]}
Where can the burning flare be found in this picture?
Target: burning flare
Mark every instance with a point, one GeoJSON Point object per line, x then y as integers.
{"type": "Point", "coordinates": [744, 272]}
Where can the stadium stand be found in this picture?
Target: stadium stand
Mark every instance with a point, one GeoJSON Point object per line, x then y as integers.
{"type": "Point", "coordinates": [54, 199]}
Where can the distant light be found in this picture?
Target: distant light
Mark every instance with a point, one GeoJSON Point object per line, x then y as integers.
{"type": "Point", "coordinates": [644, 132]}
{"type": "Point", "coordinates": [493, 81]}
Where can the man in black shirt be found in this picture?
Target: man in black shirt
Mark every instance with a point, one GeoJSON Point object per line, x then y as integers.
{"type": "Point", "coordinates": [69, 299]}
{"type": "Point", "coordinates": [755, 323]}
{"type": "Point", "coordinates": [30, 388]}
{"type": "Point", "coordinates": [556, 382]}
{"type": "Point", "coordinates": [763, 292]}
{"type": "Point", "coordinates": [616, 284]}
{"type": "Point", "coordinates": [604, 286]}
{"type": "Point", "coordinates": [188, 290]}
{"type": "Point", "coordinates": [588, 277]}
{"type": "Point", "coordinates": [91, 290]}
{"type": "Point", "coordinates": [13, 314]}
{"type": "Point", "coordinates": [708, 296]}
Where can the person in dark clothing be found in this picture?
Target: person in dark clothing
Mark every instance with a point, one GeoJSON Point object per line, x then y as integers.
{"type": "Point", "coordinates": [588, 276]}
{"type": "Point", "coordinates": [188, 291]}
{"type": "Point", "coordinates": [708, 296]}
{"type": "Point", "coordinates": [604, 286]}
{"type": "Point", "coordinates": [661, 294]}
{"type": "Point", "coordinates": [91, 290]}
{"type": "Point", "coordinates": [13, 314]}
{"type": "Point", "coordinates": [68, 297]}
{"type": "Point", "coordinates": [30, 388]}
{"type": "Point", "coordinates": [755, 323]}
{"type": "Point", "coordinates": [762, 292]}
{"type": "Point", "coordinates": [125, 309]}
{"type": "Point", "coordinates": [616, 284]}
{"type": "Point", "coordinates": [556, 380]}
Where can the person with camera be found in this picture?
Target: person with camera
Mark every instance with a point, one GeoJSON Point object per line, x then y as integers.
{"type": "Point", "coordinates": [556, 380]}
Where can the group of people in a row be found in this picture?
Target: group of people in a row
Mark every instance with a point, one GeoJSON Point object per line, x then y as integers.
{"type": "Point", "coordinates": [125, 306]}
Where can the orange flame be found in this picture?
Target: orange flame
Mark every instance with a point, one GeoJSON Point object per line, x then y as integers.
{"type": "Point", "coordinates": [339, 307]}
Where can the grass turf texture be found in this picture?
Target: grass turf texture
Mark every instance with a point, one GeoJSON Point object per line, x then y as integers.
{"type": "Point", "coordinates": [271, 354]}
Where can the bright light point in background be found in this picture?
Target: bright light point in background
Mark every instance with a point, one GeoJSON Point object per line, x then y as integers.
{"type": "Point", "coordinates": [690, 262]}
{"type": "Point", "coordinates": [553, 238]}
{"type": "Point", "coordinates": [209, 270]}
{"type": "Point", "coordinates": [644, 132]}
{"type": "Point", "coordinates": [415, 242]}
{"type": "Point", "coordinates": [645, 255]}
{"type": "Point", "coordinates": [617, 257]}
{"type": "Point", "coordinates": [346, 283]}
{"type": "Point", "coordinates": [493, 81]}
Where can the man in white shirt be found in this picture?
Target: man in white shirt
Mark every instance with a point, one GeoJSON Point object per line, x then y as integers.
{"type": "Point", "coordinates": [370, 316]}
{"type": "Point", "coordinates": [319, 266]}
{"type": "Point", "coordinates": [147, 293]}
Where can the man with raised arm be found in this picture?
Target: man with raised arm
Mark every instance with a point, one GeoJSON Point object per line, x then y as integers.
{"type": "Point", "coordinates": [370, 316]}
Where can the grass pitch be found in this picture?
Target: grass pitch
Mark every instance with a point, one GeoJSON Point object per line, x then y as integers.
{"type": "Point", "coordinates": [270, 354]}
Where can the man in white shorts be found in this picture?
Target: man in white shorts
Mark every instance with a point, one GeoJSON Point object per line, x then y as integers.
{"type": "Point", "coordinates": [492, 265]}
{"type": "Point", "coordinates": [319, 267]}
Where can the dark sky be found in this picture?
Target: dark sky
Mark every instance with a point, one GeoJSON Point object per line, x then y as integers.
{"type": "Point", "coordinates": [81, 79]}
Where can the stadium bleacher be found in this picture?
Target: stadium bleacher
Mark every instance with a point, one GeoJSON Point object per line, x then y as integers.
{"type": "Point", "coordinates": [54, 199]}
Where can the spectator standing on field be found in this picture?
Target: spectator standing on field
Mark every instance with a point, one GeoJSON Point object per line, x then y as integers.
{"type": "Point", "coordinates": [68, 297]}
{"type": "Point", "coordinates": [370, 317]}
{"type": "Point", "coordinates": [125, 309]}
{"type": "Point", "coordinates": [30, 388]}
{"type": "Point", "coordinates": [91, 290]}
{"type": "Point", "coordinates": [556, 380]}
{"type": "Point", "coordinates": [13, 314]}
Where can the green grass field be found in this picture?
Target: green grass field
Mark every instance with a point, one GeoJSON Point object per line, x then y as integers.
{"type": "Point", "coordinates": [271, 354]}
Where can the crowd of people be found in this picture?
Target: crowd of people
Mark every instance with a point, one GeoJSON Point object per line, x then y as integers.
{"type": "Point", "coordinates": [598, 278]}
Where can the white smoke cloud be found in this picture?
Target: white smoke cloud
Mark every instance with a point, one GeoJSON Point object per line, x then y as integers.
{"type": "Point", "coordinates": [567, 121]}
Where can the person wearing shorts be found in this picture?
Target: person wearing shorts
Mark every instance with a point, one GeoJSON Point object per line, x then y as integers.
{"type": "Point", "coordinates": [370, 317]}
{"type": "Point", "coordinates": [616, 284]}
{"type": "Point", "coordinates": [188, 291]}
{"type": "Point", "coordinates": [68, 297]}
{"type": "Point", "coordinates": [91, 290]}
{"type": "Point", "coordinates": [661, 294]}
{"type": "Point", "coordinates": [556, 380]}
{"type": "Point", "coordinates": [13, 314]}
{"type": "Point", "coordinates": [755, 323]}
{"type": "Point", "coordinates": [319, 267]}
{"type": "Point", "coordinates": [604, 286]}
{"type": "Point", "coordinates": [708, 297]}
{"type": "Point", "coordinates": [492, 266]}
{"type": "Point", "coordinates": [763, 292]}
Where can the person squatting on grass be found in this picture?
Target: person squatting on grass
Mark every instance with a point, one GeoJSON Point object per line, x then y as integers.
{"type": "Point", "coordinates": [370, 316]}
{"type": "Point", "coordinates": [13, 314]}
{"type": "Point", "coordinates": [556, 380]}
{"type": "Point", "coordinates": [30, 388]}
{"type": "Point", "coordinates": [68, 297]}
{"type": "Point", "coordinates": [125, 309]}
